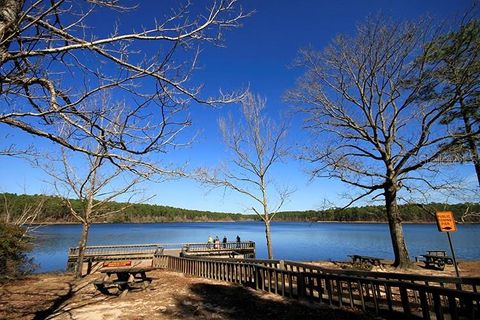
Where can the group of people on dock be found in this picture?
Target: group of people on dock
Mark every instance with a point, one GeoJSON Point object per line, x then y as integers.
{"type": "Point", "coordinates": [215, 243]}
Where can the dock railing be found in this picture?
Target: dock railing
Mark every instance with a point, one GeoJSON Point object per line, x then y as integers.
{"type": "Point", "coordinates": [94, 256]}
{"type": "Point", "coordinates": [108, 250]}
{"type": "Point", "coordinates": [195, 247]}
{"type": "Point", "coordinates": [398, 296]}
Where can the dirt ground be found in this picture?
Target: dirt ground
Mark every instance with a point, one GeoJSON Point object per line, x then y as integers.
{"type": "Point", "coordinates": [466, 268]}
{"type": "Point", "coordinates": [170, 296]}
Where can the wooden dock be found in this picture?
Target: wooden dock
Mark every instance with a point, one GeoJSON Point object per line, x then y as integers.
{"type": "Point", "coordinates": [142, 255]}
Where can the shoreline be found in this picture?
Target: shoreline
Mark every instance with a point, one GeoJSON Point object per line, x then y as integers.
{"type": "Point", "coordinates": [239, 221]}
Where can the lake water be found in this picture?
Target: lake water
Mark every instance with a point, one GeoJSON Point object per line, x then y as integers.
{"type": "Point", "coordinates": [291, 240]}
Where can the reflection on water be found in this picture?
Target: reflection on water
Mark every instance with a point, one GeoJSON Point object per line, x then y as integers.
{"type": "Point", "coordinates": [291, 240]}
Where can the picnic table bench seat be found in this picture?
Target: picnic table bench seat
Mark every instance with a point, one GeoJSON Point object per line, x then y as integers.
{"type": "Point", "coordinates": [366, 259]}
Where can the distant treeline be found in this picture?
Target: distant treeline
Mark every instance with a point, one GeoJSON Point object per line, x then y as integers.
{"type": "Point", "coordinates": [53, 210]}
{"type": "Point", "coordinates": [409, 213]}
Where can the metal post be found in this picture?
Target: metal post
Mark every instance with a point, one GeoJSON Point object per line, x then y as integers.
{"type": "Point", "coordinates": [453, 255]}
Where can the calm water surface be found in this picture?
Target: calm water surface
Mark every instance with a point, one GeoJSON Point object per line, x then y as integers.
{"type": "Point", "coordinates": [291, 240]}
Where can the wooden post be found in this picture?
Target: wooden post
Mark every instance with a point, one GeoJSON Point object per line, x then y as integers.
{"type": "Point", "coordinates": [453, 255]}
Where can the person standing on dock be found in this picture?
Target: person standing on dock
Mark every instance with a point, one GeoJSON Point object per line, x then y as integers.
{"type": "Point", "coordinates": [238, 241]}
{"type": "Point", "coordinates": [216, 243]}
{"type": "Point", "coordinates": [224, 241]}
{"type": "Point", "coordinates": [209, 242]}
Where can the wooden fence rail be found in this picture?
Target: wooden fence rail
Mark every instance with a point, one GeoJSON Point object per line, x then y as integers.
{"type": "Point", "coordinates": [405, 299]}
{"type": "Point", "coordinates": [466, 283]}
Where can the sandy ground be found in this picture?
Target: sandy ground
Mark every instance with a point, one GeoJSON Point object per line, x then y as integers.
{"type": "Point", "coordinates": [170, 296]}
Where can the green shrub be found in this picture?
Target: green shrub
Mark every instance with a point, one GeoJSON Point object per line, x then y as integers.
{"type": "Point", "coordinates": [14, 246]}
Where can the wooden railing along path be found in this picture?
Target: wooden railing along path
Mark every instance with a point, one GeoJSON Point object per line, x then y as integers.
{"type": "Point", "coordinates": [400, 295]}
{"type": "Point", "coordinates": [466, 283]}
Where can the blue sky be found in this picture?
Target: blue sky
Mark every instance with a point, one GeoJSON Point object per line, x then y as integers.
{"type": "Point", "coordinates": [257, 55]}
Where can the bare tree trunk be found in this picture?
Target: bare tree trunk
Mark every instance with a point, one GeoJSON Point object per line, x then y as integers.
{"type": "Point", "coordinates": [81, 248]}
{"type": "Point", "coordinates": [472, 143]}
{"type": "Point", "coordinates": [9, 15]}
{"type": "Point", "coordinates": [400, 251]}
{"type": "Point", "coordinates": [268, 236]}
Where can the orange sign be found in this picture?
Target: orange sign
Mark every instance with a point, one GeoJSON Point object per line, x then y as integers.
{"type": "Point", "coordinates": [445, 221]}
{"type": "Point", "coordinates": [111, 264]}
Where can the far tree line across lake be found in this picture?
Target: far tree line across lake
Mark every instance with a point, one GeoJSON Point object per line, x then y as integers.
{"type": "Point", "coordinates": [54, 211]}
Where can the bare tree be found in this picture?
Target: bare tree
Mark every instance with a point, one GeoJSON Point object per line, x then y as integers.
{"type": "Point", "coordinates": [26, 218]}
{"type": "Point", "coordinates": [462, 191]}
{"type": "Point", "coordinates": [94, 184]}
{"type": "Point", "coordinates": [16, 236]}
{"type": "Point", "coordinates": [360, 97]}
{"type": "Point", "coordinates": [257, 144]}
{"type": "Point", "coordinates": [52, 59]}
{"type": "Point", "coordinates": [92, 179]}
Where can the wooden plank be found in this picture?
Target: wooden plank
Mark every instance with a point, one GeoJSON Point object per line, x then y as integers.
{"type": "Point", "coordinates": [350, 294]}
{"type": "Point", "coordinates": [360, 289]}
{"type": "Point", "coordinates": [328, 283]}
{"type": "Point", "coordinates": [290, 285]}
{"type": "Point", "coordinates": [388, 295]}
{"type": "Point", "coordinates": [300, 285]}
{"type": "Point", "coordinates": [424, 305]}
{"type": "Point", "coordinates": [374, 296]}
{"type": "Point", "coordinates": [339, 292]}
{"type": "Point", "coordinates": [452, 306]}
{"type": "Point", "coordinates": [310, 286]}
{"type": "Point", "coordinates": [319, 289]}
{"type": "Point", "coordinates": [405, 302]}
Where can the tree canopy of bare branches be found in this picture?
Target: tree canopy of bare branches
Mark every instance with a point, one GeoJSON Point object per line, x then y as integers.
{"type": "Point", "coordinates": [256, 144]}
{"type": "Point", "coordinates": [53, 59]}
{"type": "Point", "coordinates": [95, 182]}
{"type": "Point", "coordinates": [360, 96]}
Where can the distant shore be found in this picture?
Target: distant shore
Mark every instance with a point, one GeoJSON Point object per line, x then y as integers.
{"type": "Point", "coordinates": [230, 221]}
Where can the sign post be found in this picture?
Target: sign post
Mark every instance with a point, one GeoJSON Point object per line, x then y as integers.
{"type": "Point", "coordinates": [446, 223]}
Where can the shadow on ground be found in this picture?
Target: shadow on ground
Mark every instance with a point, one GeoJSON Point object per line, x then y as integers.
{"type": "Point", "coordinates": [32, 298]}
{"type": "Point", "coordinates": [213, 301]}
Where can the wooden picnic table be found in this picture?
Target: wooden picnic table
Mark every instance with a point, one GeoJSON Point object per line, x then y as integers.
{"type": "Point", "coordinates": [366, 259]}
{"type": "Point", "coordinates": [125, 279]}
{"type": "Point", "coordinates": [434, 261]}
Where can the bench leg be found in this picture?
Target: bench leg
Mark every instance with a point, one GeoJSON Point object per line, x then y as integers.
{"type": "Point", "coordinates": [101, 287]}
{"type": "Point", "coordinates": [124, 293]}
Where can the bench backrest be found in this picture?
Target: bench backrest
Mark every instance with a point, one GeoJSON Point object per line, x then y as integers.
{"type": "Point", "coordinates": [439, 253]}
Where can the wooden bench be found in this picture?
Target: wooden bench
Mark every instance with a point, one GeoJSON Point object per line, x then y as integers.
{"type": "Point", "coordinates": [366, 259]}
{"type": "Point", "coordinates": [436, 259]}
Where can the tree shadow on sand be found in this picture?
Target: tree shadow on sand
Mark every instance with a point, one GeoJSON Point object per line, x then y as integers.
{"type": "Point", "coordinates": [39, 299]}
{"type": "Point", "coordinates": [213, 301]}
